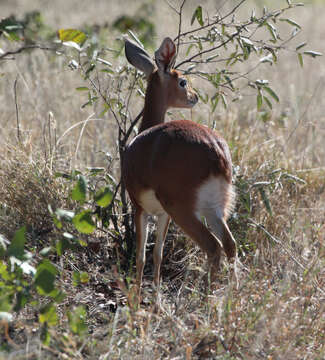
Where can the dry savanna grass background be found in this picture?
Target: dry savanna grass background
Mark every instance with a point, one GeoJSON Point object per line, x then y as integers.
{"type": "Point", "coordinates": [272, 304]}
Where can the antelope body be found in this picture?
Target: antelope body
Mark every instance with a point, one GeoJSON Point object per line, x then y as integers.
{"type": "Point", "coordinates": [176, 170]}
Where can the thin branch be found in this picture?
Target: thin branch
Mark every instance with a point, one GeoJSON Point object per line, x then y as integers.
{"type": "Point", "coordinates": [210, 49]}
{"type": "Point", "coordinates": [5, 55]}
{"type": "Point", "coordinates": [180, 24]}
{"type": "Point", "coordinates": [17, 110]}
{"type": "Point", "coordinates": [133, 123]}
{"type": "Point", "coordinates": [211, 24]}
{"type": "Point", "coordinates": [132, 88]}
{"type": "Point", "coordinates": [171, 6]}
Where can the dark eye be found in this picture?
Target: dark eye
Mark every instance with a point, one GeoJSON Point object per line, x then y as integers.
{"type": "Point", "coordinates": [182, 83]}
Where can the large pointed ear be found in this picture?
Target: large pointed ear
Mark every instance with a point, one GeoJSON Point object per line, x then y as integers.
{"type": "Point", "coordinates": [139, 58]}
{"type": "Point", "coordinates": [165, 56]}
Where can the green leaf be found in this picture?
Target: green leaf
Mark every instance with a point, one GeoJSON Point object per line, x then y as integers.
{"type": "Point", "coordinates": [109, 71]}
{"type": "Point", "coordinates": [214, 102]}
{"type": "Point", "coordinates": [189, 49]}
{"type": "Point", "coordinates": [45, 335]}
{"type": "Point", "coordinates": [103, 197]}
{"type": "Point", "coordinates": [76, 278]}
{"type": "Point", "coordinates": [259, 100]}
{"type": "Point", "coordinates": [84, 277]}
{"type": "Point", "coordinates": [83, 222]}
{"type": "Point", "coordinates": [266, 200]}
{"type": "Point", "coordinates": [135, 38]}
{"type": "Point", "coordinates": [103, 61]}
{"type": "Point", "coordinates": [229, 82]}
{"type": "Point", "coordinates": [6, 301]}
{"type": "Point", "coordinates": [87, 73]}
{"type": "Point", "coordinates": [198, 16]}
{"type": "Point", "coordinates": [224, 101]}
{"type": "Point", "coordinates": [3, 271]}
{"type": "Point", "coordinates": [62, 245]}
{"type": "Point", "coordinates": [272, 31]}
{"type": "Point", "coordinates": [64, 214]}
{"type": "Point", "coordinates": [261, 82]}
{"type": "Point", "coordinates": [272, 93]}
{"type": "Point", "coordinates": [27, 268]}
{"type": "Point", "coordinates": [301, 45]}
{"type": "Point", "coordinates": [22, 298]}
{"type": "Point", "coordinates": [73, 35]}
{"type": "Point", "coordinates": [48, 315]}
{"type": "Point", "coordinates": [46, 251]}
{"type": "Point", "coordinates": [45, 277]}
{"type": "Point", "coordinates": [313, 53]}
{"type": "Point", "coordinates": [301, 60]}
{"type": "Point", "coordinates": [291, 22]}
{"type": "Point", "coordinates": [82, 88]}
{"type": "Point", "coordinates": [80, 277]}
{"type": "Point", "coordinates": [3, 245]}
{"type": "Point", "coordinates": [268, 102]}
{"type": "Point", "coordinates": [63, 175]}
{"type": "Point", "coordinates": [96, 170]}
{"type": "Point", "coordinates": [16, 248]}
{"type": "Point", "coordinates": [78, 193]}
{"type": "Point", "coordinates": [77, 320]}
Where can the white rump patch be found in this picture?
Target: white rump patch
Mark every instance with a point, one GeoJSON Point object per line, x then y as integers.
{"type": "Point", "coordinates": [214, 196]}
{"type": "Point", "coordinates": [150, 203]}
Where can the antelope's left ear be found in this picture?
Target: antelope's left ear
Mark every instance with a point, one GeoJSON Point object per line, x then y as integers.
{"type": "Point", "coordinates": [165, 56]}
{"type": "Point", "coordinates": [139, 58]}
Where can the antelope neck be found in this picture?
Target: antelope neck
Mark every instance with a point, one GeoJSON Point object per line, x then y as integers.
{"type": "Point", "coordinates": [155, 105]}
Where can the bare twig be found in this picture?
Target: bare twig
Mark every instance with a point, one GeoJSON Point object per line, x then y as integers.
{"type": "Point", "coordinates": [212, 23]}
{"type": "Point", "coordinates": [180, 13]}
{"type": "Point", "coordinates": [17, 110]}
{"type": "Point", "coordinates": [133, 123]}
{"type": "Point", "coordinates": [5, 55]}
{"type": "Point", "coordinates": [171, 6]}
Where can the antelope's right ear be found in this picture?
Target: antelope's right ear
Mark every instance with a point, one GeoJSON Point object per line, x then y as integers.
{"type": "Point", "coordinates": [165, 56]}
{"type": "Point", "coordinates": [139, 58]}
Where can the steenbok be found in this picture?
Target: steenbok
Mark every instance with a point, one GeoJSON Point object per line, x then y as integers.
{"type": "Point", "coordinates": [177, 170]}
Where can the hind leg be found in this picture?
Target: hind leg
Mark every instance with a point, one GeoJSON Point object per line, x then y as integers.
{"type": "Point", "coordinates": [162, 228]}
{"type": "Point", "coordinates": [199, 233]}
{"type": "Point", "coordinates": [219, 226]}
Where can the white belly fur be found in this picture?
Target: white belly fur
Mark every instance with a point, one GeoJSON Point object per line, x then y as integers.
{"type": "Point", "coordinates": [150, 203]}
{"type": "Point", "coordinates": [215, 196]}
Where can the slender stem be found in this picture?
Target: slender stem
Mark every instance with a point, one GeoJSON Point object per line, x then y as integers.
{"type": "Point", "coordinates": [210, 49]}
{"type": "Point", "coordinates": [180, 13]}
{"type": "Point", "coordinates": [5, 55]}
{"type": "Point", "coordinates": [17, 110]}
{"type": "Point", "coordinates": [210, 24]}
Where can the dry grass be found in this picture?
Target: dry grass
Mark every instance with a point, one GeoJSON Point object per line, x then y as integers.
{"type": "Point", "coordinates": [270, 306]}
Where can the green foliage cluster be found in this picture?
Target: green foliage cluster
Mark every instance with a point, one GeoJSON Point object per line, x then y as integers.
{"type": "Point", "coordinates": [29, 29]}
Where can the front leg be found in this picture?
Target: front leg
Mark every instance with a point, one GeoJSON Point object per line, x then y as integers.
{"type": "Point", "coordinates": [162, 228]}
{"type": "Point", "coordinates": [141, 227]}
